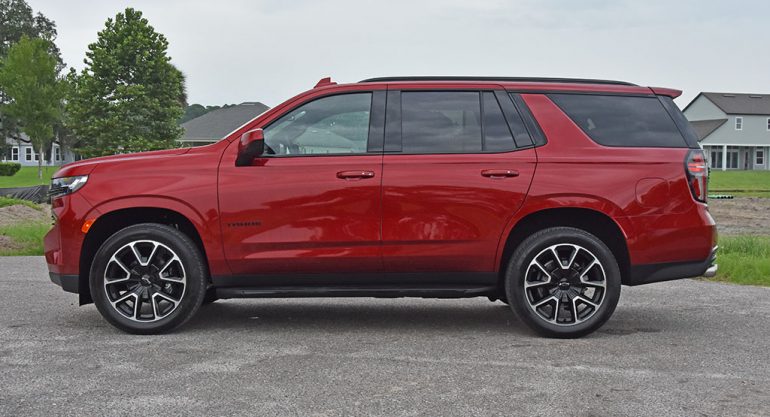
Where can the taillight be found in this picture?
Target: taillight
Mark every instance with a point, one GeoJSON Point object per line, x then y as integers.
{"type": "Point", "coordinates": [697, 174]}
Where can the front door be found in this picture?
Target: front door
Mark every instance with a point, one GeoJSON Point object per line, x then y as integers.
{"type": "Point", "coordinates": [453, 176]}
{"type": "Point", "coordinates": [311, 203]}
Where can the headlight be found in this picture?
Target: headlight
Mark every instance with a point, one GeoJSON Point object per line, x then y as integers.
{"type": "Point", "coordinates": [66, 185]}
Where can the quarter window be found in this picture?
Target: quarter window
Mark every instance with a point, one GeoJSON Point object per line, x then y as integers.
{"type": "Point", "coordinates": [739, 123]}
{"type": "Point", "coordinates": [329, 125]}
{"type": "Point", "coordinates": [622, 120]}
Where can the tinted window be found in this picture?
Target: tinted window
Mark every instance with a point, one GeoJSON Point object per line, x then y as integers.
{"type": "Point", "coordinates": [497, 136]}
{"type": "Point", "coordinates": [440, 122]}
{"type": "Point", "coordinates": [330, 125]}
{"type": "Point", "coordinates": [622, 120]}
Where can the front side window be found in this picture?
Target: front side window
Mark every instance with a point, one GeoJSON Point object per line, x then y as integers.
{"type": "Point", "coordinates": [326, 126]}
{"type": "Point", "coordinates": [739, 123]}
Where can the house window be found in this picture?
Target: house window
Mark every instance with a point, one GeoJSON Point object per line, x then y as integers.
{"type": "Point", "coordinates": [732, 157]}
{"type": "Point", "coordinates": [15, 153]}
{"type": "Point", "coordinates": [768, 124]}
{"type": "Point", "coordinates": [57, 153]}
{"type": "Point", "coordinates": [759, 157]}
{"type": "Point", "coordinates": [739, 123]}
{"type": "Point", "coordinates": [716, 157]}
{"type": "Point", "coordinates": [27, 153]}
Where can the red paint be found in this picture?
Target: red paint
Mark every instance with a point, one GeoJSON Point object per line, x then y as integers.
{"type": "Point", "coordinates": [389, 212]}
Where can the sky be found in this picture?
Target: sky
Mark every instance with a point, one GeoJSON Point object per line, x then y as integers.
{"type": "Point", "coordinates": [233, 51]}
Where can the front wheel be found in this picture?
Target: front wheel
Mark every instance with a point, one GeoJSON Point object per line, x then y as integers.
{"type": "Point", "coordinates": [148, 278]}
{"type": "Point", "coordinates": [563, 282]}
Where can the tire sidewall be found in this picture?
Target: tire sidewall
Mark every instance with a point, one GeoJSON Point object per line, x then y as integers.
{"type": "Point", "coordinates": [195, 271]}
{"type": "Point", "coordinates": [519, 263]}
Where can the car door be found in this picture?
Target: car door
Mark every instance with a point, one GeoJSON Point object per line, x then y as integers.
{"type": "Point", "coordinates": [312, 202]}
{"type": "Point", "coordinates": [453, 176]}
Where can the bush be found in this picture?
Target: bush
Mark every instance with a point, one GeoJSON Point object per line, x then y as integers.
{"type": "Point", "coordinates": [7, 169]}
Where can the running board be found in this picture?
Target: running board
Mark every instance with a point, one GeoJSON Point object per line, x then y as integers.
{"type": "Point", "coordinates": [436, 291]}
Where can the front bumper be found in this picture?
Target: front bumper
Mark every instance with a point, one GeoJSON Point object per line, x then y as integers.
{"type": "Point", "coordinates": [649, 273]}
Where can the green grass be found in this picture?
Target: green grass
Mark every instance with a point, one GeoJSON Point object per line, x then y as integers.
{"type": "Point", "coordinates": [27, 238]}
{"type": "Point", "coordinates": [744, 260]}
{"type": "Point", "coordinates": [27, 177]}
{"type": "Point", "coordinates": [744, 183]}
{"type": "Point", "coordinates": [8, 201]}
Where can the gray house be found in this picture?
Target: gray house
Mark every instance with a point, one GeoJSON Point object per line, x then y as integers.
{"type": "Point", "coordinates": [23, 153]}
{"type": "Point", "coordinates": [217, 124]}
{"type": "Point", "coordinates": [733, 128]}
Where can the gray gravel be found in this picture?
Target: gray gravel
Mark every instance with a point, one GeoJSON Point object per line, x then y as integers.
{"type": "Point", "coordinates": [679, 348]}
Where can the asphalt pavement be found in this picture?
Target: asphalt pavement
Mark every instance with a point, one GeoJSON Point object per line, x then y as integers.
{"type": "Point", "coordinates": [684, 348]}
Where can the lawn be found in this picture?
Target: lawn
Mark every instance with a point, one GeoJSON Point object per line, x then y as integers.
{"type": "Point", "coordinates": [27, 176]}
{"type": "Point", "coordinates": [744, 260]}
{"type": "Point", "coordinates": [744, 183]}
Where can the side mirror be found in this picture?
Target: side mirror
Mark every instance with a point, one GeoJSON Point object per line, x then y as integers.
{"type": "Point", "coordinates": [252, 145]}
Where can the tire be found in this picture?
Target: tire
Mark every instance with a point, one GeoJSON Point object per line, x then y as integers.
{"type": "Point", "coordinates": [148, 278]}
{"type": "Point", "coordinates": [558, 301]}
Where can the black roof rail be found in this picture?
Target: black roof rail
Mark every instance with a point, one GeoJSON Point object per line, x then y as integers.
{"type": "Point", "coordinates": [501, 79]}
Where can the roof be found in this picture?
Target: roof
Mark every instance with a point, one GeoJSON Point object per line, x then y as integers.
{"type": "Point", "coordinates": [503, 79]}
{"type": "Point", "coordinates": [705, 127]}
{"type": "Point", "coordinates": [739, 103]}
{"type": "Point", "coordinates": [216, 124]}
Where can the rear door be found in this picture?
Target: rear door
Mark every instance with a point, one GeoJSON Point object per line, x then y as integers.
{"type": "Point", "coordinates": [457, 166]}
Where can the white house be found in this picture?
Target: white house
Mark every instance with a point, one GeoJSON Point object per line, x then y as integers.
{"type": "Point", "coordinates": [733, 128]}
{"type": "Point", "coordinates": [23, 153]}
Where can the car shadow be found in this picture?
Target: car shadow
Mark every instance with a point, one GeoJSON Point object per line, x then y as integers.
{"type": "Point", "coordinates": [327, 315]}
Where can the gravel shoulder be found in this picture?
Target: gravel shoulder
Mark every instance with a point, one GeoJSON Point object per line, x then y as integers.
{"type": "Point", "coordinates": [678, 348]}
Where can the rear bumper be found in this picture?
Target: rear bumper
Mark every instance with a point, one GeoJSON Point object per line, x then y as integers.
{"type": "Point", "coordinates": [69, 283]}
{"type": "Point", "coordinates": [649, 273]}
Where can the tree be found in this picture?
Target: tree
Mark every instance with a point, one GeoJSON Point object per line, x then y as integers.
{"type": "Point", "coordinates": [196, 110]}
{"type": "Point", "coordinates": [28, 77]}
{"type": "Point", "coordinates": [17, 20]}
{"type": "Point", "coordinates": [129, 96]}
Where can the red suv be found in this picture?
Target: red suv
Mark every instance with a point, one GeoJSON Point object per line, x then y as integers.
{"type": "Point", "coordinates": [546, 194]}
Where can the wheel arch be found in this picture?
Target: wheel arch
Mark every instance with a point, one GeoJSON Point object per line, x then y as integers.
{"type": "Point", "coordinates": [596, 222]}
{"type": "Point", "coordinates": [112, 221]}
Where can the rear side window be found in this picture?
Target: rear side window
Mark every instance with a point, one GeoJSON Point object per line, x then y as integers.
{"type": "Point", "coordinates": [622, 120]}
{"type": "Point", "coordinates": [451, 122]}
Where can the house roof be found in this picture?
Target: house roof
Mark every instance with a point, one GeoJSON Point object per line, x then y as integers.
{"type": "Point", "coordinates": [739, 103]}
{"type": "Point", "coordinates": [705, 127]}
{"type": "Point", "coordinates": [216, 124]}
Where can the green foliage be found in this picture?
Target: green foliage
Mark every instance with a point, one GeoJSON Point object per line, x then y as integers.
{"type": "Point", "coordinates": [129, 97]}
{"type": "Point", "coordinates": [744, 260]}
{"type": "Point", "coordinates": [8, 201]}
{"type": "Point", "coordinates": [8, 169]}
{"type": "Point", "coordinates": [27, 177]}
{"type": "Point", "coordinates": [28, 76]}
{"type": "Point", "coordinates": [18, 20]}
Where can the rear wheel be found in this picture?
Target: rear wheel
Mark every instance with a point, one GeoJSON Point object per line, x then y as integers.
{"type": "Point", "coordinates": [148, 278]}
{"type": "Point", "coordinates": [563, 282]}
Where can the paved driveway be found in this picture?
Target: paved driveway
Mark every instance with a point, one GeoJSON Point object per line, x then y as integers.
{"type": "Point", "coordinates": [680, 348]}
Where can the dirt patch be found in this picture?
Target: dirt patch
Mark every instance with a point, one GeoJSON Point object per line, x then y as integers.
{"type": "Point", "coordinates": [742, 215]}
{"type": "Point", "coordinates": [7, 244]}
{"type": "Point", "coordinates": [18, 214]}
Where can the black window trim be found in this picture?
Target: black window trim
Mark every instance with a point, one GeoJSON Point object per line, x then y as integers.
{"type": "Point", "coordinates": [536, 133]}
{"type": "Point", "coordinates": [393, 121]}
{"type": "Point", "coordinates": [369, 152]}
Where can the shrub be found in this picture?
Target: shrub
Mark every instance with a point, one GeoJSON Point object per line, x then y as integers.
{"type": "Point", "coordinates": [7, 169]}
